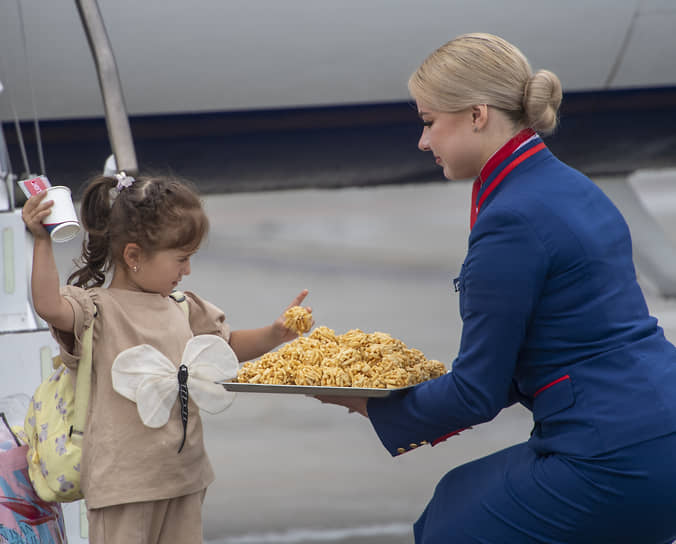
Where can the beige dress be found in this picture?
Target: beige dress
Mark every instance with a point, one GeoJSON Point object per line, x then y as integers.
{"type": "Point", "coordinates": [123, 460]}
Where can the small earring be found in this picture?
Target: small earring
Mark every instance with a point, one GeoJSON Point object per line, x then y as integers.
{"type": "Point", "coordinates": [134, 268]}
{"type": "Point", "coordinates": [475, 129]}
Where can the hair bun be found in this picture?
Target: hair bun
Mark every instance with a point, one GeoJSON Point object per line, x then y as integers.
{"type": "Point", "coordinates": [541, 100]}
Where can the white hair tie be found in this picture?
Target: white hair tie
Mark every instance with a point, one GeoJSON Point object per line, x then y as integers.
{"type": "Point", "coordinates": [123, 181]}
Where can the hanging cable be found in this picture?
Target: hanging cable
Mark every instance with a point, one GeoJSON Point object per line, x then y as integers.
{"type": "Point", "coordinates": [6, 173]}
{"type": "Point", "coordinates": [24, 43]}
{"type": "Point", "coordinates": [19, 135]}
{"type": "Point", "coordinates": [15, 119]}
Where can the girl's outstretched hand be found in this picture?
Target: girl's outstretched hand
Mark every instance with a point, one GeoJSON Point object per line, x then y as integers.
{"type": "Point", "coordinates": [34, 211]}
{"type": "Point", "coordinates": [285, 333]}
{"type": "Point", "coordinates": [252, 343]}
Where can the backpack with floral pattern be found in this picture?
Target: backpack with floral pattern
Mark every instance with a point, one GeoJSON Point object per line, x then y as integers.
{"type": "Point", "coordinates": [54, 426]}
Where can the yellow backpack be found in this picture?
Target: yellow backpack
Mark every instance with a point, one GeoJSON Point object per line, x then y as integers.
{"type": "Point", "coordinates": [54, 425]}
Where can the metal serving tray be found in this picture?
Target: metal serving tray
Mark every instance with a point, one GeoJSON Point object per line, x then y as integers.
{"type": "Point", "coordinates": [310, 389]}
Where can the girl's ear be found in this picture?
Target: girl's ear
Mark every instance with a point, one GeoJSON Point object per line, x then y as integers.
{"type": "Point", "coordinates": [132, 256]}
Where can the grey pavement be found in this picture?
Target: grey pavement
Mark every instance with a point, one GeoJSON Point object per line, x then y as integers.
{"type": "Point", "coordinates": [289, 469]}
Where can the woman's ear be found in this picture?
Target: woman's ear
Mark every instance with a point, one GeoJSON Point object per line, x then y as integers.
{"type": "Point", "coordinates": [132, 256]}
{"type": "Point", "coordinates": [479, 116]}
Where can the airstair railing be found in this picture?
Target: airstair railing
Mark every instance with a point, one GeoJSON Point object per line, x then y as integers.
{"type": "Point", "coordinates": [117, 122]}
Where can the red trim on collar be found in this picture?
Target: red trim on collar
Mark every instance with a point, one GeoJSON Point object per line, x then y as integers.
{"type": "Point", "coordinates": [511, 166]}
{"type": "Point", "coordinates": [493, 162]}
{"type": "Point", "coordinates": [505, 151]}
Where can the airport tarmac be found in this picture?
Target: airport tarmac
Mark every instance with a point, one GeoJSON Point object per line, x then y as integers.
{"type": "Point", "coordinates": [289, 469]}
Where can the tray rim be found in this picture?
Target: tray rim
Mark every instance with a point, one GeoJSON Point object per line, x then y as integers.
{"type": "Point", "coordinates": [372, 392]}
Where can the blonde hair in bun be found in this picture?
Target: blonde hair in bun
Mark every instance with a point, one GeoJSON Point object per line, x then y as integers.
{"type": "Point", "coordinates": [482, 68]}
{"type": "Point", "coordinates": [541, 100]}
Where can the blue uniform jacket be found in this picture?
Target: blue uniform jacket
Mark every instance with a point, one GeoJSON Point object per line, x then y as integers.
{"type": "Point", "coordinates": [554, 318]}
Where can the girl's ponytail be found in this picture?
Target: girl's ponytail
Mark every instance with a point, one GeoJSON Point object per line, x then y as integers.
{"type": "Point", "coordinates": [95, 209]}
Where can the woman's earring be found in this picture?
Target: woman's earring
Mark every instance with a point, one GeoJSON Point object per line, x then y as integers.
{"type": "Point", "coordinates": [475, 128]}
{"type": "Point", "coordinates": [134, 268]}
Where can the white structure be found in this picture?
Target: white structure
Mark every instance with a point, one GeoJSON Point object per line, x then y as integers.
{"type": "Point", "coordinates": [26, 345]}
{"type": "Point", "coordinates": [215, 55]}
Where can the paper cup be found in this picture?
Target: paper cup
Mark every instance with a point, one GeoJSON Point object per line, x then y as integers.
{"type": "Point", "coordinates": [61, 223]}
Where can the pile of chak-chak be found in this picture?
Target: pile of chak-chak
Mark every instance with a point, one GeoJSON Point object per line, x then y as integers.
{"type": "Point", "coordinates": [353, 359]}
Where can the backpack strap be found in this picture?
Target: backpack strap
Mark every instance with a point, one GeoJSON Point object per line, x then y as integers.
{"type": "Point", "coordinates": [179, 296]}
{"type": "Point", "coordinates": [82, 387]}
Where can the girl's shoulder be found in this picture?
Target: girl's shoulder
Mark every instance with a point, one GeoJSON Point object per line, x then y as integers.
{"type": "Point", "coordinates": [115, 302]}
{"type": "Point", "coordinates": [205, 317]}
{"type": "Point", "coordinates": [197, 305]}
{"type": "Point", "coordinates": [83, 301]}
{"type": "Point", "coordinates": [82, 293]}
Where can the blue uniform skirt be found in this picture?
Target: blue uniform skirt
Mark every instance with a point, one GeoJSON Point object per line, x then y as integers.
{"type": "Point", "coordinates": [517, 496]}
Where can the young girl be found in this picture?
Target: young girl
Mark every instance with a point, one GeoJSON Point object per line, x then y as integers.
{"type": "Point", "coordinates": [137, 487]}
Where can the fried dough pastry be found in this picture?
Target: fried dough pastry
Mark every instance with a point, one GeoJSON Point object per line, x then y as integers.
{"type": "Point", "coordinates": [353, 359]}
{"type": "Point", "coordinates": [298, 319]}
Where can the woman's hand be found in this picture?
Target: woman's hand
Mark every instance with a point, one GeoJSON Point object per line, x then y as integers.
{"type": "Point", "coordinates": [34, 211]}
{"type": "Point", "coordinates": [353, 404]}
{"type": "Point", "coordinates": [278, 326]}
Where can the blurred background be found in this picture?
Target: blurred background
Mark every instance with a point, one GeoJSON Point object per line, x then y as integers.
{"type": "Point", "coordinates": [294, 121]}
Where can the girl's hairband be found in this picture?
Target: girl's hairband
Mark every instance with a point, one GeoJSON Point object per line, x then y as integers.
{"type": "Point", "coordinates": [123, 181]}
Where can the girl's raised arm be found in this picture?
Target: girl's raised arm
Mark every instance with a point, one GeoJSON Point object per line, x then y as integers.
{"type": "Point", "coordinates": [47, 299]}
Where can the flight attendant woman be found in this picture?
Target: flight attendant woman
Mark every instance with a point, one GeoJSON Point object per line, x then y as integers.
{"type": "Point", "coordinates": [553, 318]}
